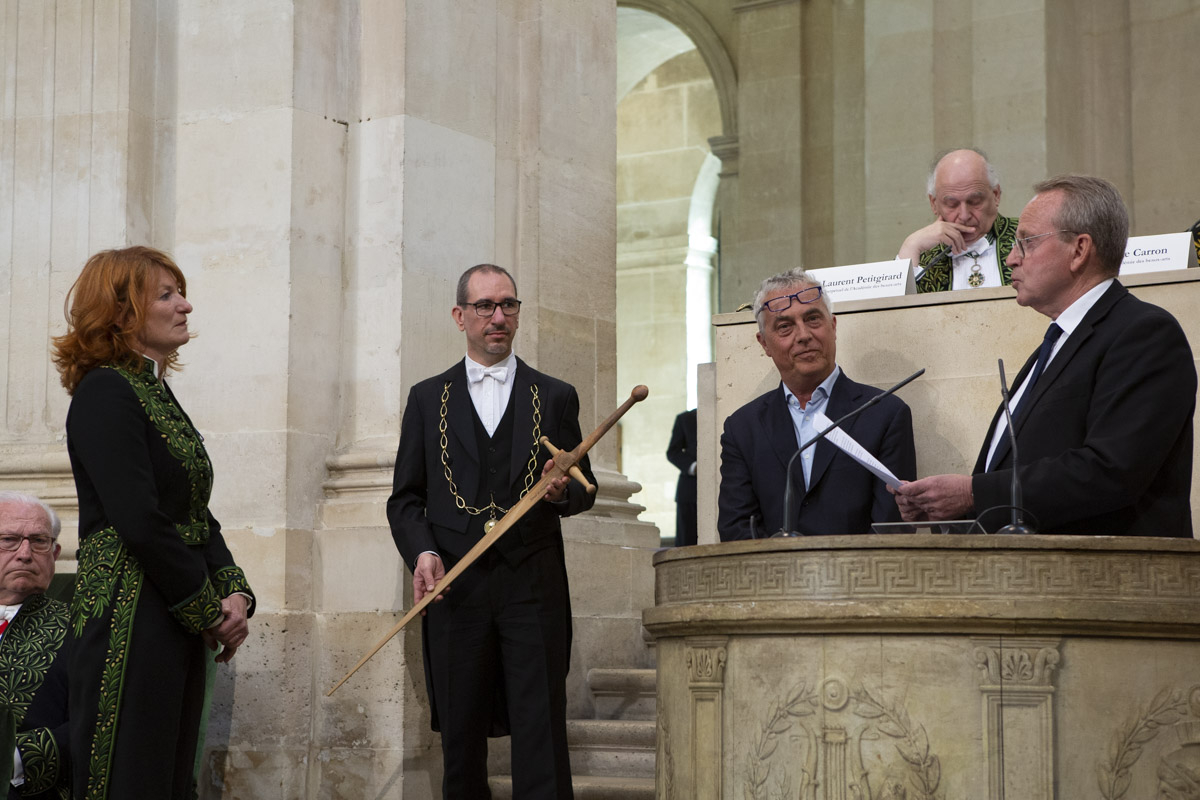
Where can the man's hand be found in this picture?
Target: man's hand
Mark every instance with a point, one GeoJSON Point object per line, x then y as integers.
{"type": "Point", "coordinates": [933, 234]}
{"type": "Point", "coordinates": [909, 510]}
{"type": "Point", "coordinates": [230, 631]}
{"type": "Point", "coordinates": [937, 497]}
{"type": "Point", "coordinates": [557, 490]}
{"type": "Point", "coordinates": [426, 576]}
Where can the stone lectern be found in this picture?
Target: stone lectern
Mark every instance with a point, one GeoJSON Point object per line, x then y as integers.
{"type": "Point", "coordinates": [889, 667]}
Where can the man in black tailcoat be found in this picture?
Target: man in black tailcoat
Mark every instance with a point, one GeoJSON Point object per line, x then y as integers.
{"type": "Point", "coordinates": [497, 645]}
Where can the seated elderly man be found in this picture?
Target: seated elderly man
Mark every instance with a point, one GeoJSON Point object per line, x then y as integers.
{"type": "Point", "coordinates": [835, 494]}
{"type": "Point", "coordinates": [33, 628]}
{"type": "Point", "coordinates": [966, 245]}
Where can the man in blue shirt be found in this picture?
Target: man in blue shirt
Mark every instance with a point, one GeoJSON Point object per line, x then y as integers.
{"type": "Point", "coordinates": [835, 495]}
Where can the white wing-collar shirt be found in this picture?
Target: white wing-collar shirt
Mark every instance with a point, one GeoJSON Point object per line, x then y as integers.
{"type": "Point", "coordinates": [490, 389]}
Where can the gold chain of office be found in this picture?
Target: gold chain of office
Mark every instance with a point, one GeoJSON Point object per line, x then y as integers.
{"type": "Point", "coordinates": [491, 508]}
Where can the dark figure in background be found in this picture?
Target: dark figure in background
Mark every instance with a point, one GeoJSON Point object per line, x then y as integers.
{"type": "Point", "coordinates": [157, 584]}
{"type": "Point", "coordinates": [682, 453]}
{"type": "Point", "coordinates": [33, 653]}
{"type": "Point", "coordinates": [498, 645]}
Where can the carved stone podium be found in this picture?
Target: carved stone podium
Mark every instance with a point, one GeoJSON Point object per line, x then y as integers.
{"type": "Point", "coordinates": [882, 667]}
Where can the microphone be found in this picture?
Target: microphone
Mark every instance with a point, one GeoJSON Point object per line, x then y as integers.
{"type": "Point", "coordinates": [789, 494]}
{"type": "Point", "coordinates": [1017, 525]}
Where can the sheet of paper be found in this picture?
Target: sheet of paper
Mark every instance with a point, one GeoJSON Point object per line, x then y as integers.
{"type": "Point", "coordinates": [845, 442]}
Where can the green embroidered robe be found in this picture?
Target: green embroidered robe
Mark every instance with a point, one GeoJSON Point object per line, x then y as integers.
{"type": "Point", "coordinates": [33, 689]}
{"type": "Point", "coordinates": [153, 568]}
{"type": "Point", "coordinates": [939, 267]}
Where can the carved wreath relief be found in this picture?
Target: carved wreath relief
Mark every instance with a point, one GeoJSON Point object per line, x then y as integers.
{"type": "Point", "coordinates": [824, 737]}
{"type": "Point", "coordinates": [1178, 771]}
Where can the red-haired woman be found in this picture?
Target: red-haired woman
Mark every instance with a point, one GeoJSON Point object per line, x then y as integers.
{"type": "Point", "coordinates": [156, 582]}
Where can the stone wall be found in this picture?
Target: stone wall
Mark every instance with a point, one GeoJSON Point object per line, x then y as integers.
{"type": "Point", "coordinates": [840, 107]}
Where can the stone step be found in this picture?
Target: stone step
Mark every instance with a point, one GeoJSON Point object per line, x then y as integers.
{"type": "Point", "coordinates": [588, 787]}
{"type": "Point", "coordinates": [623, 693]}
{"type": "Point", "coordinates": [598, 747]}
{"type": "Point", "coordinates": [612, 747]}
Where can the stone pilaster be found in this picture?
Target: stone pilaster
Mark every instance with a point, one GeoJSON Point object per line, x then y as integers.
{"type": "Point", "coordinates": [1017, 688]}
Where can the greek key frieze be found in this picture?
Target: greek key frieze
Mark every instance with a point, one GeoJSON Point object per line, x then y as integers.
{"type": "Point", "coordinates": [808, 575]}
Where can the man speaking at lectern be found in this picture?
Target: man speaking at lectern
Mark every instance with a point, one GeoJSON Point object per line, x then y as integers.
{"type": "Point", "coordinates": [798, 331]}
{"type": "Point", "coordinates": [1103, 411]}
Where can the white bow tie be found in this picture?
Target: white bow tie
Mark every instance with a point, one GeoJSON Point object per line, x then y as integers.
{"type": "Point", "coordinates": [477, 374]}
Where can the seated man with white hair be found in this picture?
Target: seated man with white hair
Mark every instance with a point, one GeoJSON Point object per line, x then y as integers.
{"type": "Point", "coordinates": [33, 660]}
{"type": "Point", "coordinates": [967, 244]}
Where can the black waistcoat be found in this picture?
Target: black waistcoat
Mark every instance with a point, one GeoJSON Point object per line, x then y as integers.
{"type": "Point", "coordinates": [495, 480]}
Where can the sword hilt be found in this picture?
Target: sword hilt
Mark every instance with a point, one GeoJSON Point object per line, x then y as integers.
{"type": "Point", "coordinates": [574, 471]}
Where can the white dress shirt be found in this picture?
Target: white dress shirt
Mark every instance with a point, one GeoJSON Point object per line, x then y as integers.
{"type": "Point", "coordinates": [982, 253]}
{"type": "Point", "coordinates": [1068, 320]}
{"type": "Point", "coordinates": [802, 418]}
{"type": "Point", "coordinates": [490, 389]}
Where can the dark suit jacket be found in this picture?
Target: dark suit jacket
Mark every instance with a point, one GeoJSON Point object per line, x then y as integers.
{"type": "Point", "coordinates": [422, 512]}
{"type": "Point", "coordinates": [760, 438]}
{"type": "Point", "coordinates": [682, 453]}
{"type": "Point", "coordinates": [1106, 447]}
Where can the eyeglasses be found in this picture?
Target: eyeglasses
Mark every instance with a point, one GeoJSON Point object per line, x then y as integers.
{"type": "Point", "coordinates": [805, 296]}
{"type": "Point", "coordinates": [485, 308]}
{"type": "Point", "coordinates": [38, 544]}
{"type": "Point", "coordinates": [1021, 242]}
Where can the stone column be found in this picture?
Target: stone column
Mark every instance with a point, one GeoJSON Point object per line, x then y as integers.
{"type": "Point", "coordinates": [76, 166]}
{"type": "Point", "coordinates": [726, 149]}
{"type": "Point", "coordinates": [766, 234]}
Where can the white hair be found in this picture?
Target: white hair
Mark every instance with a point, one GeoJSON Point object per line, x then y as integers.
{"type": "Point", "coordinates": [22, 499]}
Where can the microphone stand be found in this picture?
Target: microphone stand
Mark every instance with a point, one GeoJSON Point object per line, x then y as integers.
{"type": "Point", "coordinates": [1017, 525]}
{"type": "Point", "coordinates": [788, 493]}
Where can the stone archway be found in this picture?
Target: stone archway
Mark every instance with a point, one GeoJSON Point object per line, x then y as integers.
{"type": "Point", "coordinates": [672, 105]}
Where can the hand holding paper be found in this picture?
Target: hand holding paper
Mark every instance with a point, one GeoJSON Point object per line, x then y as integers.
{"type": "Point", "coordinates": [845, 442]}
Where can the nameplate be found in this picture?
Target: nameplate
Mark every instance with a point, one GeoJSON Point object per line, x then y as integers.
{"type": "Point", "coordinates": [1157, 253]}
{"type": "Point", "coordinates": [867, 281]}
